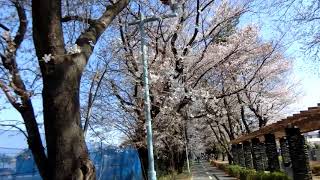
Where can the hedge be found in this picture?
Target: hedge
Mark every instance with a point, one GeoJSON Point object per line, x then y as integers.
{"type": "Point", "coordinates": [250, 174]}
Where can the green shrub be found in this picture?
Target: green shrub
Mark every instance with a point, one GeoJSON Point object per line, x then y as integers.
{"type": "Point", "coordinates": [234, 170]}
{"type": "Point", "coordinates": [269, 176]}
{"type": "Point", "coordinates": [250, 174]}
{"type": "Point", "coordinates": [261, 176]}
{"type": "Point", "coordinates": [280, 176]}
{"type": "Point", "coordinates": [247, 174]}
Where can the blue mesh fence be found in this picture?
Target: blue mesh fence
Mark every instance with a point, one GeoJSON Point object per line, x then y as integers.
{"type": "Point", "coordinates": [111, 163]}
{"type": "Point", "coordinates": [119, 164]}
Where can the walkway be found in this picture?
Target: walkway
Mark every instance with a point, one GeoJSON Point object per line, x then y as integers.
{"type": "Point", "coordinates": [205, 171]}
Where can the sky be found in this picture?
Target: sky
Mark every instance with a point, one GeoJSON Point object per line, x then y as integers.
{"type": "Point", "coordinates": [305, 73]}
{"type": "Point", "coordinates": [308, 76]}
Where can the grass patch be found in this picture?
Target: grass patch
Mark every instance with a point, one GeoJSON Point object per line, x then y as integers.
{"type": "Point", "coordinates": [175, 175]}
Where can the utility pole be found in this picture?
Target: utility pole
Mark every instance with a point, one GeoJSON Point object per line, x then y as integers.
{"type": "Point", "coordinates": [151, 171]}
{"type": "Point", "coordinates": [147, 105]}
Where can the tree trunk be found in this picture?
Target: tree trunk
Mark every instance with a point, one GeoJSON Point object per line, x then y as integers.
{"type": "Point", "coordinates": [172, 165]}
{"type": "Point", "coordinates": [143, 155]}
{"type": "Point", "coordinates": [34, 138]}
{"type": "Point", "coordinates": [230, 159]}
{"type": "Point", "coordinates": [68, 156]}
{"type": "Point", "coordinates": [243, 114]}
{"type": "Point", "coordinates": [231, 128]}
{"type": "Point", "coordinates": [180, 160]}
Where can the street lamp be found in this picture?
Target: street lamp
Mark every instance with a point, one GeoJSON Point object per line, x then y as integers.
{"type": "Point", "coordinates": [174, 7]}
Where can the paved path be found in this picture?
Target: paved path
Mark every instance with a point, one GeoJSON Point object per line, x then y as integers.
{"type": "Point", "coordinates": [205, 171]}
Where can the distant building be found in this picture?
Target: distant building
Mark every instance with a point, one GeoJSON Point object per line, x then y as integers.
{"type": "Point", "coordinates": [313, 137]}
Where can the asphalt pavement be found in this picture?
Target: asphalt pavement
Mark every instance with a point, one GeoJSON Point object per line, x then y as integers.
{"type": "Point", "coordinates": [203, 170]}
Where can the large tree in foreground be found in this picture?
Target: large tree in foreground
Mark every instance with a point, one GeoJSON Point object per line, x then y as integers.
{"type": "Point", "coordinates": [61, 69]}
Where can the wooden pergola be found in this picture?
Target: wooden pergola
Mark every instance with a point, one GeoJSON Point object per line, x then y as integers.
{"type": "Point", "coordinates": [306, 121]}
{"type": "Point", "coordinates": [259, 149]}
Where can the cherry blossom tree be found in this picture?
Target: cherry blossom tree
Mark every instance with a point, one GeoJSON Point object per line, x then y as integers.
{"type": "Point", "coordinates": [201, 66]}
{"type": "Point", "coordinates": [62, 56]}
{"type": "Point", "coordinates": [297, 20]}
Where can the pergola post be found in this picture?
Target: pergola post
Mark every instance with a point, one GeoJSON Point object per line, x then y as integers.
{"type": "Point", "coordinates": [234, 152]}
{"type": "Point", "coordinates": [272, 153]}
{"type": "Point", "coordinates": [298, 154]}
{"type": "Point", "coordinates": [247, 154]}
{"type": "Point", "coordinates": [241, 155]}
{"type": "Point", "coordinates": [284, 147]}
{"type": "Point", "coordinates": [264, 155]}
{"type": "Point", "coordinates": [257, 154]}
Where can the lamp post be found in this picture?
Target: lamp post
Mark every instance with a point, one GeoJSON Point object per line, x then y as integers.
{"type": "Point", "coordinates": [144, 57]}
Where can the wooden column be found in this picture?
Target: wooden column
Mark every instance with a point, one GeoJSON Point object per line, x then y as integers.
{"type": "Point", "coordinates": [298, 154]}
{"type": "Point", "coordinates": [272, 153]}
{"type": "Point", "coordinates": [257, 154]}
{"type": "Point", "coordinates": [247, 154]}
{"type": "Point", "coordinates": [264, 156]}
{"type": "Point", "coordinates": [234, 151]}
{"type": "Point", "coordinates": [284, 148]}
{"type": "Point", "coordinates": [241, 159]}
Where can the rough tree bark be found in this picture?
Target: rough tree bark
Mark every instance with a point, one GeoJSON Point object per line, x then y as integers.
{"type": "Point", "coordinates": [67, 153]}
{"type": "Point", "coordinates": [17, 86]}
